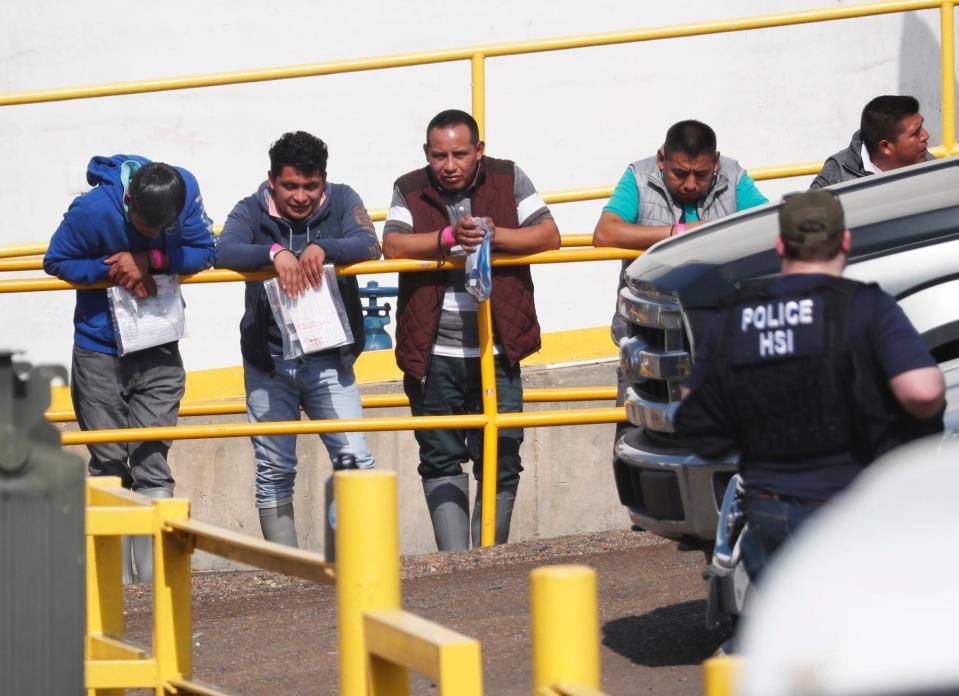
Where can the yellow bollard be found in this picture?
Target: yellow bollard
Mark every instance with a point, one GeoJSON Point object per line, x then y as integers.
{"type": "Point", "coordinates": [565, 626]}
{"type": "Point", "coordinates": [720, 675]}
{"type": "Point", "coordinates": [367, 568]}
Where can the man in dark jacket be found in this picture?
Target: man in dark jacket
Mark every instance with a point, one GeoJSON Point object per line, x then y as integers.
{"type": "Point", "coordinates": [891, 135]}
{"type": "Point", "coordinates": [433, 210]}
{"type": "Point", "coordinates": [808, 376]}
{"type": "Point", "coordinates": [140, 218]}
{"type": "Point", "coordinates": [297, 221]}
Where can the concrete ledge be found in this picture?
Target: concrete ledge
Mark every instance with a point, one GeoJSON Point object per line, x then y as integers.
{"type": "Point", "coordinates": [567, 485]}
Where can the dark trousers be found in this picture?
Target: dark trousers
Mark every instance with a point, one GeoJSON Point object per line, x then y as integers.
{"type": "Point", "coordinates": [139, 390]}
{"type": "Point", "coordinates": [771, 522]}
{"type": "Point", "coordinates": [453, 387]}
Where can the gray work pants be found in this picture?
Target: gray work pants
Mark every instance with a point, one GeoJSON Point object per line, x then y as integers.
{"type": "Point", "coordinates": [139, 390]}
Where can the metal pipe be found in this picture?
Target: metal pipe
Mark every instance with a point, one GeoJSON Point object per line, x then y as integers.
{"type": "Point", "coordinates": [484, 315]}
{"type": "Point", "coordinates": [478, 85]}
{"type": "Point", "coordinates": [947, 34]}
{"type": "Point", "coordinates": [464, 53]}
{"type": "Point", "coordinates": [528, 419]}
{"type": "Point", "coordinates": [223, 408]}
{"type": "Point", "coordinates": [363, 268]}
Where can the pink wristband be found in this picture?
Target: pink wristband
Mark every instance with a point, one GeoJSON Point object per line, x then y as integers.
{"type": "Point", "coordinates": [680, 228]}
{"type": "Point", "coordinates": [157, 258]}
{"type": "Point", "coordinates": [448, 236]}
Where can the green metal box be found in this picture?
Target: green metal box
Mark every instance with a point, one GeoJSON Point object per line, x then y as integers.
{"type": "Point", "coordinates": [42, 547]}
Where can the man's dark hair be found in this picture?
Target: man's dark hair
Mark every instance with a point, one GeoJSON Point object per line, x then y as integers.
{"type": "Point", "coordinates": [691, 138]}
{"type": "Point", "coordinates": [452, 118]}
{"type": "Point", "coordinates": [882, 119]}
{"type": "Point", "coordinates": [304, 152]}
{"type": "Point", "coordinates": [157, 194]}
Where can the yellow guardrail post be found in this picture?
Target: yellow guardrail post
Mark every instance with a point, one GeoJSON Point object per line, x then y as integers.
{"type": "Point", "coordinates": [478, 83]}
{"type": "Point", "coordinates": [172, 596]}
{"type": "Point", "coordinates": [484, 316]}
{"type": "Point", "coordinates": [367, 569]}
{"type": "Point", "coordinates": [104, 585]}
{"type": "Point", "coordinates": [947, 33]}
{"type": "Point", "coordinates": [565, 627]}
{"type": "Point", "coordinates": [720, 675]}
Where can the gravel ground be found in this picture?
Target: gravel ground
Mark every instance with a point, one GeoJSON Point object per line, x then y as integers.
{"type": "Point", "coordinates": [262, 633]}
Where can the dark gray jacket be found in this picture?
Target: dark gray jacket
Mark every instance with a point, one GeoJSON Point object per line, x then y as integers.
{"type": "Point", "coordinates": [844, 165]}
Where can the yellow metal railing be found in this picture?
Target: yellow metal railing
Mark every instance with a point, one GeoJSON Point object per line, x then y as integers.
{"type": "Point", "coordinates": [379, 642]}
{"type": "Point", "coordinates": [490, 419]}
{"type": "Point", "coordinates": [477, 56]}
{"type": "Point", "coordinates": [112, 511]}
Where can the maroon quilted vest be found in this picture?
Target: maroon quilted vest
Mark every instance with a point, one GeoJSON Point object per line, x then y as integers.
{"type": "Point", "coordinates": [420, 301]}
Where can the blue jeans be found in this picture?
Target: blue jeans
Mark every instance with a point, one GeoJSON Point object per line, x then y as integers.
{"type": "Point", "coordinates": [326, 389]}
{"type": "Point", "coordinates": [771, 522]}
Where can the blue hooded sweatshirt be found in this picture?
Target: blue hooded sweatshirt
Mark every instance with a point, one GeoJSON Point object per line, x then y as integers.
{"type": "Point", "coordinates": [96, 226]}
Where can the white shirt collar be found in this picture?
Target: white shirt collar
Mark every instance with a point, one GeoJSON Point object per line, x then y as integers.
{"type": "Point", "coordinates": [867, 162]}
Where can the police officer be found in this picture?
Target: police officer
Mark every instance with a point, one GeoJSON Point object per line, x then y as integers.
{"type": "Point", "coordinates": [809, 376]}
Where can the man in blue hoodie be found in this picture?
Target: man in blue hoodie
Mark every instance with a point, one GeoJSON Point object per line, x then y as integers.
{"type": "Point", "coordinates": [140, 218]}
{"type": "Point", "coordinates": [296, 222]}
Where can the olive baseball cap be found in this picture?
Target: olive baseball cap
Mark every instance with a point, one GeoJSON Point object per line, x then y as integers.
{"type": "Point", "coordinates": [810, 217]}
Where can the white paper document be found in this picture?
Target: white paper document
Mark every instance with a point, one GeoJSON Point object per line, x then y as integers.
{"type": "Point", "coordinates": [149, 322]}
{"type": "Point", "coordinates": [314, 321]}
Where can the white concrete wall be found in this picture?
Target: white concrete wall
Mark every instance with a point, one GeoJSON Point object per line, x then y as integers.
{"type": "Point", "coordinates": [570, 119]}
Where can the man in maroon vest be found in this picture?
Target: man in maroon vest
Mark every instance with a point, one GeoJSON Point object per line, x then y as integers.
{"type": "Point", "coordinates": [434, 214]}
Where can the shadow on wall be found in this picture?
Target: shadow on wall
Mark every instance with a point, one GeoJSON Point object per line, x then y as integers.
{"type": "Point", "coordinates": [919, 68]}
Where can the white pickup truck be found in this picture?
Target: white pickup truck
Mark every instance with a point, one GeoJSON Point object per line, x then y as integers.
{"type": "Point", "coordinates": [905, 227]}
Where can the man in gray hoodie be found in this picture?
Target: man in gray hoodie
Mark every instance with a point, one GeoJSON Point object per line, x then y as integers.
{"type": "Point", "coordinates": [890, 135]}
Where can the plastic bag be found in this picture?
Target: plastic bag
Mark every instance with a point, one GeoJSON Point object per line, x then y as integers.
{"type": "Point", "coordinates": [314, 321]}
{"type": "Point", "coordinates": [479, 274]}
{"type": "Point", "coordinates": [152, 321]}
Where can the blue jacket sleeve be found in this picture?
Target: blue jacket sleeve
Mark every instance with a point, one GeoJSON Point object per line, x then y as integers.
{"type": "Point", "coordinates": [359, 242]}
{"type": "Point", "coordinates": [197, 248]}
{"type": "Point", "coordinates": [235, 249]}
{"type": "Point", "coordinates": [74, 253]}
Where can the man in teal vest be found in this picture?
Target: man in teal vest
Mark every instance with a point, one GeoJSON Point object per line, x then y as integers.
{"type": "Point", "coordinates": [684, 185]}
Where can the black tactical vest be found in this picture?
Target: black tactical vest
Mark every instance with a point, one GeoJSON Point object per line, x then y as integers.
{"type": "Point", "coordinates": [787, 372]}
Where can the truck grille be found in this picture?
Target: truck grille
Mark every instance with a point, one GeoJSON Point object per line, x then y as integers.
{"type": "Point", "coordinates": [654, 358]}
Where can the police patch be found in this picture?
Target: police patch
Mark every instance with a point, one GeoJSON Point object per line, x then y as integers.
{"type": "Point", "coordinates": [777, 329]}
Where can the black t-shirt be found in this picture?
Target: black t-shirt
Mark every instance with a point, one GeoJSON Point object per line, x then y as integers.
{"type": "Point", "coordinates": [888, 345]}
